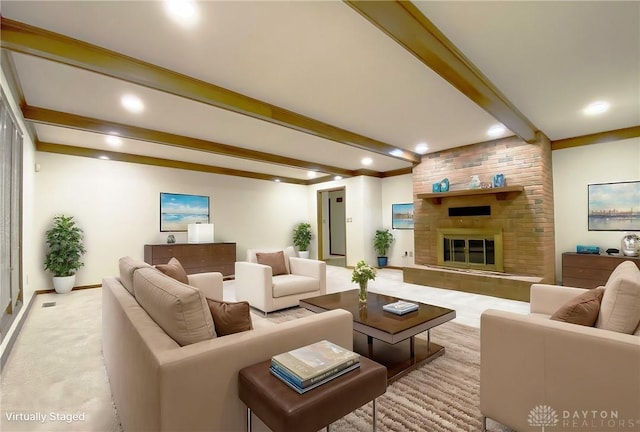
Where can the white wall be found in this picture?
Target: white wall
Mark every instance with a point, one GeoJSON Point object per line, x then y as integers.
{"type": "Point", "coordinates": [398, 190]}
{"type": "Point", "coordinates": [117, 205]}
{"type": "Point", "coordinates": [573, 170]}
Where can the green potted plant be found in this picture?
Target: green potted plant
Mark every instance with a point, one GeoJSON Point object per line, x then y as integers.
{"type": "Point", "coordinates": [65, 248]}
{"type": "Point", "coordinates": [381, 243]}
{"type": "Point", "coordinates": [302, 238]}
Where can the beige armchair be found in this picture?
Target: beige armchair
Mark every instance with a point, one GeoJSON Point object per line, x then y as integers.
{"type": "Point", "coordinates": [256, 284]}
{"type": "Point", "coordinates": [585, 375]}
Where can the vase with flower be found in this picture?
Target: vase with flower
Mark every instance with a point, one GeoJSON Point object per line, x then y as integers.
{"type": "Point", "coordinates": [362, 274]}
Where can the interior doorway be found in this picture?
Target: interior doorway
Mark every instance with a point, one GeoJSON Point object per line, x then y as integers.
{"type": "Point", "coordinates": [332, 235]}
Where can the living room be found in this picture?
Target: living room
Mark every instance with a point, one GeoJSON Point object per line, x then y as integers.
{"type": "Point", "coordinates": [117, 205]}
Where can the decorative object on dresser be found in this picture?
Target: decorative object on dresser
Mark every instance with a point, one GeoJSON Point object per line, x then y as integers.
{"type": "Point", "coordinates": [589, 270]}
{"type": "Point", "coordinates": [200, 233]}
{"type": "Point", "coordinates": [195, 258]}
{"type": "Point", "coordinates": [630, 245]}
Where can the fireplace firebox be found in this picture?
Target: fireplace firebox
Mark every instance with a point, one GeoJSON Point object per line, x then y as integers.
{"type": "Point", "coordinates": [479, 249]}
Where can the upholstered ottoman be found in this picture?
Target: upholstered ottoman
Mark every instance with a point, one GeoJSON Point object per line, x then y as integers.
{"type": "Point", "coordinates": [283, 410]}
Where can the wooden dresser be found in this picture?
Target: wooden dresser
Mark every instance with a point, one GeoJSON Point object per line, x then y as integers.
{"type": "Point", "coordinates": [590, 270]}
{"type": "Point", "coordinates": [195, 257]}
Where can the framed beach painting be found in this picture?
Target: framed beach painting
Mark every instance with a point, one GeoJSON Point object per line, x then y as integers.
{"type": "Point", "coordinates": [402, 216]}
{"type": "Point", "coordinates": [179, 210]}
{"type": "Point", "coordinates": [614, 206]}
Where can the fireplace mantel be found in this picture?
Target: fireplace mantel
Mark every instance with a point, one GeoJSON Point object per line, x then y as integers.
{"type": "Point", "coordinates": [501, 193]}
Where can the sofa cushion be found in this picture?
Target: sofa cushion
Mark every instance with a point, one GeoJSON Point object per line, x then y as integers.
{"type": "Point", "coordinates": [286, 285]}
{"type": "Point", "coordinates": [620, 307]}
{"type": "Point", "coordinates": [175, 270]}
{"type": "Point", "coordinates": [128, 266]}
{"type": "Point", "coordinates": [581, 310]}
{"type": "Point", "coordinates": [273, 259]}
{"type": "Point", "coordinates": [179, 309]}
{"type": "Point", "coordinates": [230, 317]}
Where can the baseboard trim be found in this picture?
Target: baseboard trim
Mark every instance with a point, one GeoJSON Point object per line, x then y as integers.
{"type": "Point", "coordinates": [14, 335]}
{"type": "Point", "coordinates": [76, 288]}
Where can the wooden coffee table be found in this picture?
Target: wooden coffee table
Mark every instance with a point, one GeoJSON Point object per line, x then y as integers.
{"type": "Point", "coordinates": [385, 337]}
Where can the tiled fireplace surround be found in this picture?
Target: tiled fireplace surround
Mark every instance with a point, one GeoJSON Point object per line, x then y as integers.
{"type": "Point", "coordinates": [526, 218]}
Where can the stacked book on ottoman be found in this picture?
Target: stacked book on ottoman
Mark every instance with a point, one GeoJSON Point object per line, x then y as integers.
{"type": "Point", "coordinates": [308, 367]}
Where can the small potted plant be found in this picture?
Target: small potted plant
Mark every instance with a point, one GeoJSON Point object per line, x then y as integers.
{"type": "Point", "coordinates": [362, 274]}
{"type": "Point", "coordinates": [381, 243]}
{"type": "Point", "coordinates": [302, 238]}
{"type": "Point", "coordinates": [64, 241]}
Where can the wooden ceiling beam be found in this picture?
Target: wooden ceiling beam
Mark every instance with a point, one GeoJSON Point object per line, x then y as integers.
{"type": "Point", "coordinates": [596, 138]}
{"type": "Point", "coordinates": [154, 161]}
{"type": "Point", "coordinates": [404, 23]}
{"type": "Point", "coordinates": [89, 124]}
{"type": "Point", "coordinates": [26, 39]}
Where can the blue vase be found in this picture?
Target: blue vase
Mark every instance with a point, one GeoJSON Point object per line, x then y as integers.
{"type": "Point", "coordinates": [498, 180]}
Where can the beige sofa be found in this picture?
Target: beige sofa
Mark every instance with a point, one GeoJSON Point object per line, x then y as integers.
{"type": "Point", "coordinates": [585, 375]}
{"type": "Point", "coordinates": [256, 284]}
{"type": "Point", "coordinates": [159, 385]}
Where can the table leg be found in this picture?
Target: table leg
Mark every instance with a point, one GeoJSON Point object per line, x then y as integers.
{"type": "Point", "coordinates": [429, 340]}
{"type": "Point", "coordinates": [248, 419]}
{"type": "Point", "coordinates": [370, 346]}
{"type": "Point", "coordinates": [412, 348]}
{"type": "Point", "coordinates": [374, 415]}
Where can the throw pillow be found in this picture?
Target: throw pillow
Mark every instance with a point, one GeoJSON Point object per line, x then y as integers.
{"type": "Point", "coordinates": [581, 310]}
{"type": "Point", "coordinates": [174, 269]}
{"type": "Point", "coordinates": [230, 318]}
{"type": "Point", "coordinates": [273, 259]}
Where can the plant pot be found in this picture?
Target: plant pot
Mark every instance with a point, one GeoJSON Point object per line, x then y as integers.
{"type": "Point", "coordinates": [64, 284]}
{"type": "Point", "coordinates": [303, 254]}
{"type": "Point", "coordinates": [382, 261]}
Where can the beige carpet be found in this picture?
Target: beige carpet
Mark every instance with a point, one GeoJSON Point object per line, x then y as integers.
{"type": "Point", "coordinates": [55, 379]}
{"type": "Point", "coordinates": [441, 396]}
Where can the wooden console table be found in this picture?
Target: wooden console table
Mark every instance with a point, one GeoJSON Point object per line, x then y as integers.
{"type": "Point", "coordinates": [590, 270]}
{"type": "Point", "coordinates": [195, 257]}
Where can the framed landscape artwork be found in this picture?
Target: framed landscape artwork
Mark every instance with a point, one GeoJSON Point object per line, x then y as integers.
{"type": "Point", "coordinates": [614, 206]}
{"type": "Point", "coordinates": [402, 216]}
{"type": "Point", "coordinates": [179, 210]}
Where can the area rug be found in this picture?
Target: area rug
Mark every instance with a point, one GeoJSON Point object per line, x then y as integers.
{"type": "Point", "coordinates": [441, 396]}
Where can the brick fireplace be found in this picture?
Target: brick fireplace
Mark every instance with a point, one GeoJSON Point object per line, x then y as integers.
{"type": "Point", "coordinates": [523, 215]}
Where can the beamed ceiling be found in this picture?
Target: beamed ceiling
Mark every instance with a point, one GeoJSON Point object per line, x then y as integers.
{"type": "Point", "coordinates": [276, 90]}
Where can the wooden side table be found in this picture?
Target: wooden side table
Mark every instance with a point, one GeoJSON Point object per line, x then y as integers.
{"type": "Point", "coordinates": [282, 409]}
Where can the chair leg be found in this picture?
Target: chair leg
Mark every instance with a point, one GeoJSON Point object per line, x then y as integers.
{"type": "Point", "coordinates": [484, 423]}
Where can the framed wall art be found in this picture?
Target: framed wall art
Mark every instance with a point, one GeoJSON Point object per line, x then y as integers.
{"type": "Point", "coordinates": [179, 210]}
{"type": "Point", "coordinates": [614, 206]}
{"type": "Point", "coordinates": [402, 216]}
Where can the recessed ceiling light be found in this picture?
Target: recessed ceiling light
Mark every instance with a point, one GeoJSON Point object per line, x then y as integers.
{"type": "Point", "coordinates": [596, 108]}
{"type": "Point", "coordinates": [396, 152]}
{"type": "Point", "coordinates": [132, 103]}
{"type": "Point", "coordinates": [311, 174]}
{"type": "Point", "coordinates": [337, 178]}
{"type": "Point", "coordinates": [366, 161]}
{"type": "Point", "coordinates": [103, 157]}
{"type": "Point", "coordinates": [422, 148]}
{"type": "Point", "coordinates": [277, 180]}
{"type": "Point", "coordinates": [113, 141]}
{"type": "Point", "coordinates": [496, 130]}
{"type": "Point", "coordinates": [184, 12]}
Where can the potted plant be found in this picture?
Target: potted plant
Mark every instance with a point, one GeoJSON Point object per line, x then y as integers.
{"type": "Point", "coordinates": [64, 241]}
{"type": "Point", "coordinates": [381, 243]}
{"type": "Point", "coordinates": [302, 238]}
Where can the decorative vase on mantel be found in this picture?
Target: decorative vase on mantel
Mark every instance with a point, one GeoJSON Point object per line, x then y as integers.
{"type": "Point", "coordinates": [362, 293]}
